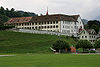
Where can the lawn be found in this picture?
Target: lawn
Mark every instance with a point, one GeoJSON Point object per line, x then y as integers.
{"type": "Point", "coordinates": [50, 60]}
{"type": "Point", "coordinates": [16, 42]}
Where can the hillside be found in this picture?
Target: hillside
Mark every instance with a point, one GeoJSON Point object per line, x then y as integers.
{"type": "Point", "coordinates": [15, 42]}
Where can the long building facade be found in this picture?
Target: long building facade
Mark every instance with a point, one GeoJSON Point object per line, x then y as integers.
{"type": "Point", "coordinates": [67, 24]}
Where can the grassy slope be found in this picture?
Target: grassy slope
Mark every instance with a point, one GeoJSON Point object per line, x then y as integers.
{"type": "Point", "coordinates": [15, 42]}
{"type": "Point", "coordinates": [51, 60]}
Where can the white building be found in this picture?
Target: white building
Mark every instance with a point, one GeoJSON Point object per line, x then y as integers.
{"type": "Point", "coordinates": [89, 35]}
{"type": "Point", "coordinates": [67, 24]}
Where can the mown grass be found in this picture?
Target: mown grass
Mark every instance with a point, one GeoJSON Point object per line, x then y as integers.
{"type": "Point", "coordinates": [50, 60]}
{"type": "Point", "coordinates": [15, 42]}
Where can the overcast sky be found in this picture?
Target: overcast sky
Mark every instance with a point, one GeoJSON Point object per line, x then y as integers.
{"type": "Point", "coordinates": [88, 9]}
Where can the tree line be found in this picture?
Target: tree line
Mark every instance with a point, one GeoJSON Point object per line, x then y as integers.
{"type": "Point", "coordinates": [11, 13]}
{"type": "Point", "coordinates": [61, 45]}
{"type": "Point", "coordinates": [93, 24]}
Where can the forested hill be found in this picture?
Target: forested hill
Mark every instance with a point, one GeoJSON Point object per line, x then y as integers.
{"type": "Point", "coordinates": [13, 13]}
{"type": "Point", "coordinates": [6, 13]}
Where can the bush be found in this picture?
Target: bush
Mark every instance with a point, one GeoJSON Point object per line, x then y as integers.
{"type": "Point", "coordinates": [97, 44]}
{"type": "Point", "coordinates": [92, 51]}
{"type": "Point", "coordinates": [2, 27]}
{"type": "Point", "coordinates": [85, 44]}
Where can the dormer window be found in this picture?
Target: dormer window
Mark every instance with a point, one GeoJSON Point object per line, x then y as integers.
{"type": "Point", "coordinates": [56, 17]}
{"type": "Point", "coordinates": [18, 20]}
{"type": "Point", "coordinates": [36, 19]}
{"type": "Point", "coordinates": [26, 19]}
{"type": "Point", "coordinates": [46, 18]}
{"type": "Point", "coordinates": [84, 32]}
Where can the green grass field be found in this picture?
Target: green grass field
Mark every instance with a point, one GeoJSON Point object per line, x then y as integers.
{"type": "Point", "coordinates": [32, 50]}
{"type": "Point", "coordinates": [15, 42]}
{"type": "Point", "coordinates": [50, 60]}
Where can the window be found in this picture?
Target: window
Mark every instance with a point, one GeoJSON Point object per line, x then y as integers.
{"type": "Point", "coordinates": [22, 24]}
{"type": "Point", "coordinates": [82, 36]}
{"type": "Point", "coordinates": [32, 27]}
{"type": "Point", "coordinates": [32, 23]}
{"type": "Point", "coordinates": [75, 27]}
{"type": "Point", "coordinates": [57, 26]}
{"type": "Point", "coordinates": [42, 22]}
{"type": "Point", "coordinates": [35, 27]}
{"type": "Point", "coordinates": [56, 22]}
{"type": "Point", "coordinates": [39, 23]}
{"type": "Point", "coordinates": [90, 36]}
{"type": "Point", "coordinates": [53, 26]}
{"type": "Point", "coordinates": [47, 26]}
{"type": "Point", "coordinates": [28, 24]}
{"type": "Point", "coordinates": [36, 23]}
{"type": "Point", "coordinates": [75, 23]}
{"type": "Point", "coordinates": [39, 27]}
{"type": "Point", "coordinates": [45, 22]}
{"type": "Point", "coordinates": [25, 24]}
{"type": "Point", "coordinates": [85, 36]}
{"type": "Point", "coordinates": [94, 36]}
{"type": "Point", "coordinates": [48, 22]}
{"type": "Point", "coordinates": [63, 26]}
{"type": "Point", "coordinates": [84, 32]}
{"type": "Point", "coordinates": [29, 27]}
{"type": "Point", "coordinates": [53, 22]}
{"type": "Point", "coordinates": [50, 26]}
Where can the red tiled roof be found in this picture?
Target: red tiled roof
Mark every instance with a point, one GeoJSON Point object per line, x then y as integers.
{"type": "Point", "coordinates": [19, 20]}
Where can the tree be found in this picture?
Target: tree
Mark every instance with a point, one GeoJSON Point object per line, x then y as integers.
{"type": "Point", "coordinates": [4, 18]}
{"type": "Point", "coordinates": [2, 10]}
{"type": "Point", "coordinates": [97, 44]}
{"type": "Point", "coordinates": [91, 22]}
{"type": "Point", "coordinates": [60, 45]}
{"type": "Point", "coordinates": [95, 27]}
{"type": "Point", "coordinates": [12, 10]}
{"type": "Point", "coordinates": [86, 26]}
{"type": "Point", "coordinates": [1, 22]}
{"type": "Point", "coordinates": [94, 24]}
{"type": "Point", "coordinates": [84, 44]}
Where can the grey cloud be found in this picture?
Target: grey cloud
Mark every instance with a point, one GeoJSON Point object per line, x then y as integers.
{"type": "Point", "coordinates": [86, 8]}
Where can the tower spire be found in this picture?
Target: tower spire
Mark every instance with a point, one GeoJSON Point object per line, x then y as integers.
{"type": "Point", "coordinates": [47, 11]}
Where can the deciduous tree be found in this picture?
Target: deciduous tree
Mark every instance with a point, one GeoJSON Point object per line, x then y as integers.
{"type": "Point", "coordinates": [60, 45]}
{"type": "Point", "coordinates": [84, 44]}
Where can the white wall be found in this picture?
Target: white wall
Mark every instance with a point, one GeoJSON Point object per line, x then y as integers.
{"type": "Point", "coordinates": [80, 23]}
